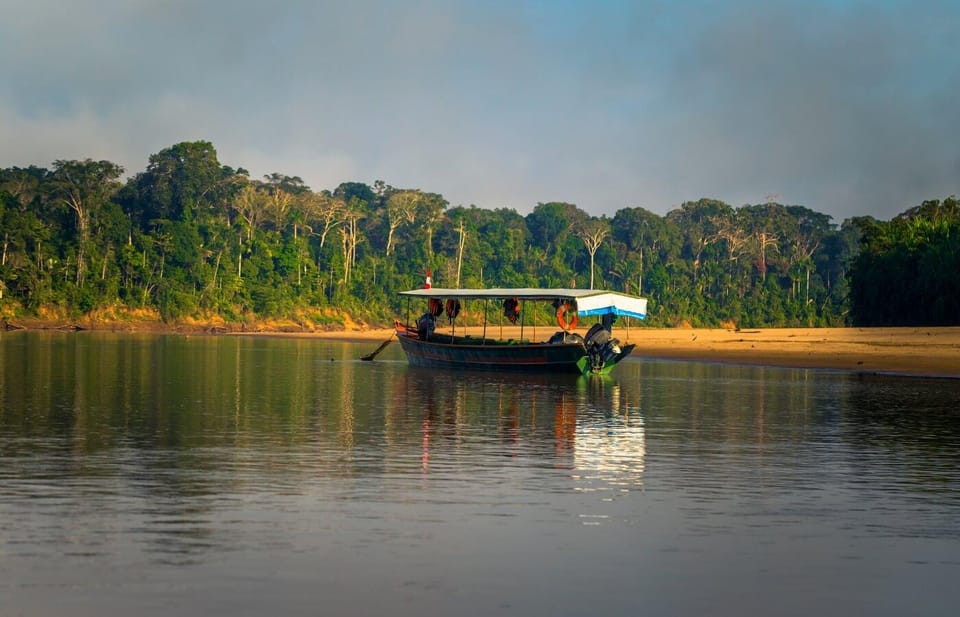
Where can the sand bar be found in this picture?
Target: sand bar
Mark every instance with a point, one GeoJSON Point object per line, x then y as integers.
{"type": "Point", "coordinates": [912, 351]}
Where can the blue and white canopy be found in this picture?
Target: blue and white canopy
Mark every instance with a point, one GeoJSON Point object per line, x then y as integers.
{"type": "Point", "coordinates": [589, 301]}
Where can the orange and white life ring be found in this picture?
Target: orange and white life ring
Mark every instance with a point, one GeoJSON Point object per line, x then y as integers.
{"type": "Point", "coordinates": [567, 316]}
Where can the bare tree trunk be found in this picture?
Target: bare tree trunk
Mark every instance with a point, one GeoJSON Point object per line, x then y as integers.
{"type": "Point", "coordinates": [344, 234]}
{"type": "Point", "coordinates": [82, 249]}
{"type": "Point", "coordinates": [640, 276]}
{"type": "Point", "coordinates": [80, 259]}
{"type": "Point", "coordinates": [392, 228]}
{"type": "Point", "coordinates": [592, 253]}
{"type": "Point", "coordinates": [103, 265]}
{"type": "Point", "coordinates": [354, 241]}
{"type": "Point", "coordinates": [764, 239]}
{"type": "Point", "coordinates": [216, 270]}
{"type": "Point", "coordinates": [75, 203]}
{"type": "Point", "coordinates": [463, 237]}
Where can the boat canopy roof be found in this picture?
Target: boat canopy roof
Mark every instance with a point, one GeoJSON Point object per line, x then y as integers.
{"type": "Point", "coordinates": [589, 301]}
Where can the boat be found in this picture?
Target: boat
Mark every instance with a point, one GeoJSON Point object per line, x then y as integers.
{"type": "Point", "coordinates": [428, 343]}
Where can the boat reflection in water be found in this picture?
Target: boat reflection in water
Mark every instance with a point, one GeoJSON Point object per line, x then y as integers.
{"type": "Point", "coordinates": [610, 446]}
{"type": "Point", "coordinates": [581, 424]}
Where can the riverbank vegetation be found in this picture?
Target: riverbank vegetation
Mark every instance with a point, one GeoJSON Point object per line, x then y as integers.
{"type": "Point", "coordinates": [191, 239]}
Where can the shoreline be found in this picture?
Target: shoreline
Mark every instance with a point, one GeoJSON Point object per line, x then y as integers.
{"type": "Point", "coordinates": [920, 351]}
{"type": "Point", "coordinates": [931, 352]}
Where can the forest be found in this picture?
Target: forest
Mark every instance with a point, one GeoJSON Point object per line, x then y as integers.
{"type": "Point", "coordinates": [190, 238]}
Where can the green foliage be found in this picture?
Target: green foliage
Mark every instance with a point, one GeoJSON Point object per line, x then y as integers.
{"type": "Point", "coordinates": [191, 237]}
{"type": "Point", "coordinates": [908, 272]}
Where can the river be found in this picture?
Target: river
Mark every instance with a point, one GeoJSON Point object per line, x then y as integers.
{"type": "Point", "coordinates": [163, 474]}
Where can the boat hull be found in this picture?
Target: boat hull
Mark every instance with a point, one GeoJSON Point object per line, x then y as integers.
{"type": "Point", "coordinates": [504, 357]}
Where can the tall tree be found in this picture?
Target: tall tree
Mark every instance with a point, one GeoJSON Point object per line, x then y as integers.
{"type": "Point", "coordinates": [282, 191]}
{"type": "Point", "coordinates": [592, 231]}
{"type": "Point", "coordinates": [23, 187]}
{"type": "Point", "coordinates": [698, 222]}
{"type": "Point", "coordinates": [809, 231]}
{"type": "Point", "coordinates": [430, 209]}
{"type": "Point", "coordinates": [322, 212]}
{"type": "Point", "coordinates": [918, 255]}
{"type": "Point", "coordinates": [402, 207]}
{"type": "Point", "coordinates": [766, 224]}
{"type": "Point", "coordinates": [640, 231]}
{"type": "Point", "coordinates": [83, 187]}
{"type": "Point", "coordinates": [551, 223]}
{"type": "Point", "coordinates": [179, 181]}
{"type": "Point", "coordinates": [250, 204]}
{"type": "Point", "coordinates": [350, 236]}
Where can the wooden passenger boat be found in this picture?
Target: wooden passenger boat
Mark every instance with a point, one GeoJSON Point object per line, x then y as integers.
{"type": "Point", "coordinates": [566, 350]}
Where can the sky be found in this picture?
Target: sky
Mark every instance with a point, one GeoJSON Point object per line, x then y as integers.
{"type": "Point", "coordinates": [847, 108]}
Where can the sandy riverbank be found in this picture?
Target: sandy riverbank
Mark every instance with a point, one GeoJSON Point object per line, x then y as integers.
{"type": "Point", "coordinates": [917, 351]}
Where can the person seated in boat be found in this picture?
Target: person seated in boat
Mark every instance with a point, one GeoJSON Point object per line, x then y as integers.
{"type": "Point", "coordinates": [426, 325]}
{"type": "Point", "coordinates": [565, 337]}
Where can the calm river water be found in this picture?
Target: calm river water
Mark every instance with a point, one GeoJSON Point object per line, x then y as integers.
{"type": "Point", "coordinates": [246, 476]}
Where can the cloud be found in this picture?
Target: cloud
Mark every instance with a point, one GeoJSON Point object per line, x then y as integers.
{"type": "Point", "coordinates": [845, 108]}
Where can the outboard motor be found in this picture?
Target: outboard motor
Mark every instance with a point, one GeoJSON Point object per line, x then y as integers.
{"type": "Point", "coordinates": [601, 347]}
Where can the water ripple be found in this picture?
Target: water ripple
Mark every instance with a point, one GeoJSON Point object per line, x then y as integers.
{"type": "Point", "coordinates": [255, 472]}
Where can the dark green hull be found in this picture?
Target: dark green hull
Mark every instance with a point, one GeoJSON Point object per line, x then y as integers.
{"type": "Point", "coordinates": [443, 351]}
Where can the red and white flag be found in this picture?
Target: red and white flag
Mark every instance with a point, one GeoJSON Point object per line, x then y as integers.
{"type": "Point", "coordinates": [426, 284]}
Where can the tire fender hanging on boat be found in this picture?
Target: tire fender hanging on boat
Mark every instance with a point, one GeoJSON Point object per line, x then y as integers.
{"type": "Point", "coordinates": [511, 309]}
{"type": "Point", "coordinates": [452, 308]}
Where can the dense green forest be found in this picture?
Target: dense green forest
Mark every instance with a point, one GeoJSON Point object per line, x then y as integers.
{"type": "Point", "coordinates": [192, 238]}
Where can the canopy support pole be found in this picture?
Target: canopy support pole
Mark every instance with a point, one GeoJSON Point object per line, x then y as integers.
{"type": "Point", "coordinates": [523, 316]}
{"type": "Point", "coordinates": [484, 322]}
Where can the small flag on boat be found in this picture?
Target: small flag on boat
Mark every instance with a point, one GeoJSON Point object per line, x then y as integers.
{"type": "Point", "coordinates": [426, 284]}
